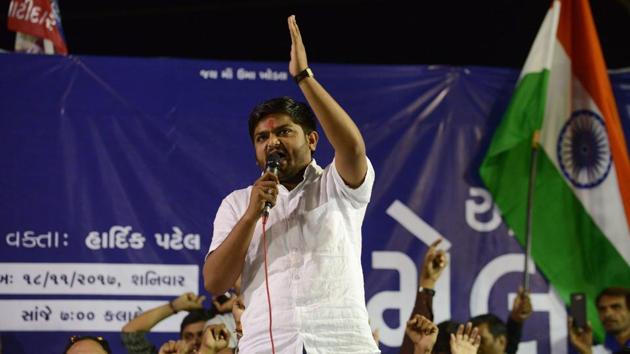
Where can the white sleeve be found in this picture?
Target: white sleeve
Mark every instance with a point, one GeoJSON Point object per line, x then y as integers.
{"type": "Point", "coordinates": [224, 221]}
{"type": "Point", "coordinates": [359, 196]}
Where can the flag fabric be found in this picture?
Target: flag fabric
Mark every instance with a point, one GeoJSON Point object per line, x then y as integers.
{"type": "Point", "coordinates": [35, 21]}
{"type": "Point", "coordinates": [581, 207]}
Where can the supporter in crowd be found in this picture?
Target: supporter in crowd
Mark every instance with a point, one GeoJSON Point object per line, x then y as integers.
{"type": "Point", "coordinates": [191, 329]}
{"type": "Point", "coordinates": [423, 334]}
{"type": "Point", "coordinates": [87, 345]}
{"type": "Point", "coordinates": [497, 337]}
{"type": "Point", "coordinates": [175, 347]}
{"type": "Point", "coordinates": [214, 340]}
{"type": "Point", "coordinates": [432, 266]}
{"type": "Point", "coordinates": [443, 342]}
{"type": "Point", "coordinates": [613, 307]}
{"type": "Point", "coordinates": [466, 340]}
{"type": "Point", "coordinates": [224, 306]}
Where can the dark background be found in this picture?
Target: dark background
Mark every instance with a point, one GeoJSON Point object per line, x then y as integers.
{"type": "Point", "coordinates": [486, 32]}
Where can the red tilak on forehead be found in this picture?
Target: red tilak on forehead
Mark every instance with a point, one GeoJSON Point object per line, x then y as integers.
{"type": "Point", "coordinates": [269, 123]}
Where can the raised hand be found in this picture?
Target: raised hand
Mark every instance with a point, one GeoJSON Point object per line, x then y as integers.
{"type": "Point", "coordinates": [176, 347]}
{"type": "Point", "coordinates": [298, 52]}
{"type": "Point", "coordinates": [423, 333]}
{"type": "Point", "coordinates": [215, 338]}
{"type": "Point", "coordinates": [581, 338]}
{"type": "Point", "coordinates": [466, 340]}
{"type": "Point", "coordinates": [169, 347]}
{"type": "Point", "coordinates": [188, 301]}
{"type": "Point", "coordinates": [434, 263]}
{"type": "Point", "coordinates": [225, 306]}
{"type": "Point", "coordinates": [522, 306]}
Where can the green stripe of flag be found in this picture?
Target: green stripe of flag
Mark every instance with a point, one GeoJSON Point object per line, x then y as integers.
{"type": "Point", "coordinates": [568, 247]}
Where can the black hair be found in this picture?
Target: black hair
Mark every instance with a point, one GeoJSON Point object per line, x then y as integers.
{"type": "Point", "coordinates": [100, 340]}
{"type": "Point", "coordinates": [615, 291]}
{"type": "Point", "coordinates": [442, 343]}
{"type": "Point", "coordinates": [496, 326]}
{"type": "Point", "coordinates": [300, 113]}
{"type": "Point", "coordinates": [194, 316]}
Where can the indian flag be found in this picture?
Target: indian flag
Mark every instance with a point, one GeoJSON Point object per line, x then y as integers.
{"type": "Point", "coordinates": [581, 207]}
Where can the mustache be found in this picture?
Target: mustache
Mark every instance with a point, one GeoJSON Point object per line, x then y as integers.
{"type": "Point", "coordinates": [278, 151]}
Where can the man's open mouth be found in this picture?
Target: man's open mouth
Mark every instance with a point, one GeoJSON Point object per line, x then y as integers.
{"type": "Point", "coordinates": [280, 153]}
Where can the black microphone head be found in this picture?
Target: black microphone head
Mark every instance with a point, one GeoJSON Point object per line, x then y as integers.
{"type": "Point", "coordinates": [273, 160]}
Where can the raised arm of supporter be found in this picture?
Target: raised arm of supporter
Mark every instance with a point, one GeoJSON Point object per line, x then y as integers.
{"type": "Point", "coordinates": [521, 310]}
{"type": "Point", "coordinates": [340, 129]}
{"type": "Point", "coordinates": [433, 264]}
{"type": "Point", "coordinates": [466, 340]}
{"type": "Point", "coordinates": [148, 319]}
{"type": "Point", "coordinates": [224, 265]}
{"type": "Point", "coordinates": [581, 339]}
{"type": "Point", "coordinates": [522, 306]}
{"type": "Point", "coordinates": [176, 347]}
{"type": "Point", "coordinates": [423, 334]}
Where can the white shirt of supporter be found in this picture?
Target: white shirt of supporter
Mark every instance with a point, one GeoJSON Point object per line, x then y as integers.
{"type": "Point", "coordinates": [314, 257]}
{"type": "Point", "coordinates": [600, 349]}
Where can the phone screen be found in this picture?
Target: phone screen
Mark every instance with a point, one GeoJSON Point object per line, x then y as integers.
{"type": "Point", "coordinates": [578, 310]}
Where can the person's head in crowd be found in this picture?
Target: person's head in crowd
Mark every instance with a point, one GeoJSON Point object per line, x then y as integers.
{"type": "Point", "coordinates": [493, 332]}
{"type": "Point", "coordinates": [191, 328]}
{"type": "Point", "coordinates": [613, 306]}
{"type": "Point", "coordinates": [443, 344]}
{"type": "Point", "coordinates": [87, 345]}
{"type": "Point", "coordinates": [287, 127]}
{"type": "Point", "coordinates": [216, 337]}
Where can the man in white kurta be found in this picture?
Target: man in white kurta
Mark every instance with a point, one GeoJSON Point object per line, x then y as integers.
{"type": "Point", "coordinates": [313, 231]}
{"type": "Point", "coordinates": [315, 276]}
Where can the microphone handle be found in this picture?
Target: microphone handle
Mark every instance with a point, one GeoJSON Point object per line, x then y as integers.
{"type": "Point", "coordinates": [268, 205]}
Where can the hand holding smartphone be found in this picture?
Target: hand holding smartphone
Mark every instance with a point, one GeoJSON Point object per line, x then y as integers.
{"type": "Point", "coordinates": [577, 310]}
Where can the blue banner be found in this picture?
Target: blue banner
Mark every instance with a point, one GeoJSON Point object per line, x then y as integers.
{"type": "Point", "coordinates": [113, 169]}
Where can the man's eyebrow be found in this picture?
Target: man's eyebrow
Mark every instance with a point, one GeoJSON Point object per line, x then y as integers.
{"type": "Point", "coordinates": [265, 131]}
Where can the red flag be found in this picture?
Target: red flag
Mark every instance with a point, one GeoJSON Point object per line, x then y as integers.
{"type": "Point", "coordinates": [37, 18]}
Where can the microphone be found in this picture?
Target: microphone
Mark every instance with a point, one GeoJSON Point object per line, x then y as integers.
{"type": "Point", "coordinates": [273, 163]}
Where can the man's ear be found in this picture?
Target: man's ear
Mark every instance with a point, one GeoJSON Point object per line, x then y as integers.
{"type": "Point", "coordinates": [312, 138]}
{"type": "Point", "coordinates": [502, 342]}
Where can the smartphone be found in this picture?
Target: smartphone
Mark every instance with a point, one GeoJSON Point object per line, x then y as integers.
{"type": "Point", "coordinates": [578, 310]}
{"type": "Point", "coordinates": [221, 299]}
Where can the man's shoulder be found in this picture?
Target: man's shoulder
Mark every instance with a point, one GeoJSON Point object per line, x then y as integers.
{"type": "Point", "coordinates": [239, 194]}
{"type": "Point", "coordinates": [365, 188]}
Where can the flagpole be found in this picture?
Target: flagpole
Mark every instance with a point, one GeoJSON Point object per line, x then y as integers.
{"type": "Point", "coordinates": [530, 201]}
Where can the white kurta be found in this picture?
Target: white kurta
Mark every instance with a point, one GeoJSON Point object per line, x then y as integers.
{"type": "Point", "coordinates": [315, 274]}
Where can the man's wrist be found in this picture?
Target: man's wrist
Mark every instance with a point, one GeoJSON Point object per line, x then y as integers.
{"type": "Point", "coordinates": [429, 291]}
{"type": "Point", "coordinates": [427, 283]}
{"type": "Point", "coordinates": [172, 306]}
{"type": "Point", "coordinates": [420, 349]}
{"type": "Point", "coordinates": [303, 75]}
